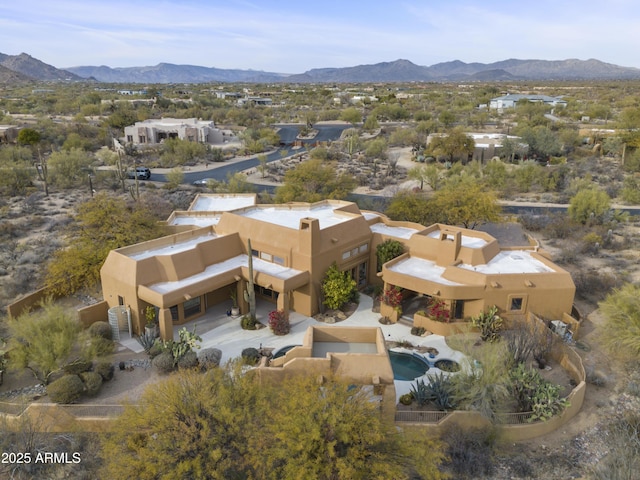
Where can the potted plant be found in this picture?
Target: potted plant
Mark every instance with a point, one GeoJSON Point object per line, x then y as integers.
{"type": "Point", "coordinates": [151, 328]}
{"type": "Point", "coordinates": [235, 309]}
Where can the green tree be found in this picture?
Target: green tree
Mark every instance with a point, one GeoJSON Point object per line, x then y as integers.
{"type": "Point", "coordinates": [351, 115]}
{"type": "Point", "coordinates": [429, 174]}
{"type": "Point", "coordinates": [388, 250]}
{"type": "Point", "coordinates": [467, 203]}
{"type": "Point", "coordinates": [29, 136]}
{"type": "Point", "coordinates": [456, 144]}
{"type": "Point", "coordinates": [174, 178]}
{"type": "Point", "coordinates": [371, 124]}
{"type": "Point", "coordinates": [312, 181]}
{"type": "Point", "coordinates": [411, 207]}
{"type": "Point", "coordinates": [204, 422]}
{"type": "Point", "coordinates": [223, 424]}
{"type": "Point", "coordinates": [334, 431]}
{"type": "Point", "coordinates": [102, 224]}
{"type": "Point", "coordinates": [69, 168]}
{"type": "Point", "coordinates": [589, 205]}
{"type": "Point", "coordinates": [337, 287]}
{"type": "Point", "coordinates": [45, 341]}
{"type": "Point", "coordinates": [621, 310]}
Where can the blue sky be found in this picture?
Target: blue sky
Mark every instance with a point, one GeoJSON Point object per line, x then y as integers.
{"type": "Point", "coordinates": [294, 36]}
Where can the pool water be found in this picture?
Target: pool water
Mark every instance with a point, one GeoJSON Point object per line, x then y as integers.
{"type": "Point", "coordinates": [406, 366]}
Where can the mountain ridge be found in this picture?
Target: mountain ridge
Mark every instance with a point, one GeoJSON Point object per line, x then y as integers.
{"type": "Point", "coordinates": [401, 70]}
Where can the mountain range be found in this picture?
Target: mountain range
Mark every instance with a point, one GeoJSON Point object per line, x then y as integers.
{"type": "Point", "coordinates": [24, 68]}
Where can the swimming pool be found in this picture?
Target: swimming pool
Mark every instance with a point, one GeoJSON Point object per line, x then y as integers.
{"type": "Point", "coordinates": [281, 352]}
{"type": "Point", "coordinates": [407, 366]}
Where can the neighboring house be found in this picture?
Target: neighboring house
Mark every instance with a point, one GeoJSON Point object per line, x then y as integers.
{"type": "Point", "coordinates": [511, 100]}
{"type": "Point", "coordinates": [8, 133]}
{"type": "Point", "coordinates": [293, 245]}
{"type": "Point", "coordinates": [249, 100]}
{"type": "Point", "coordinates": [152, 132]}
{"type": "Point", "coordinates": [487, 145]}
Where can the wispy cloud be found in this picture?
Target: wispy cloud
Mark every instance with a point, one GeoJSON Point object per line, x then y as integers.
{"type": "Point", "coordinates": [293, 36]}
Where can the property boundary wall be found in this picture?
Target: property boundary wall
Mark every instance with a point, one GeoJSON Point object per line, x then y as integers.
{"type": "Point", "coordinates": [514, 427]}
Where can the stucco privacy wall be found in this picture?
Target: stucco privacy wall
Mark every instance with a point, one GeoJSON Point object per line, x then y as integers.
{"type": "Point", "coordinates": [47, 417]}
{"type": "Point", "coordinates": [465, 268]}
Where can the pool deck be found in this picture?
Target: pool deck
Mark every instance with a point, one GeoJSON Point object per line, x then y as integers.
{"type": "Point", "coordinates": [217, 330]}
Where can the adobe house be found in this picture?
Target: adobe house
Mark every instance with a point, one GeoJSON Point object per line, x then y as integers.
{"type": "Point", "coordinates": [153, 132]}
{"type": "Point", "coordinates": [292, 245]}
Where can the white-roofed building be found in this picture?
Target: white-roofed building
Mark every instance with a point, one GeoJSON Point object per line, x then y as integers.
{"type": "Point", "coordinates": [292, 247]}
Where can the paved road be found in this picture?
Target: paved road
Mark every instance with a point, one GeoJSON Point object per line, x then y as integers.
{"type": "Point", "coordinates": [288, 133]}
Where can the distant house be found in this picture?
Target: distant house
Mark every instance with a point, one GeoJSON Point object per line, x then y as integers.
{"type": "Point", "coordinates": [8, 133]}
{"type": "Point", "coordinates": [151, 132]}
{"type": "Point", "coordinates": [248, 100]}
{"type": "Point", "coordinates": [510, 100]}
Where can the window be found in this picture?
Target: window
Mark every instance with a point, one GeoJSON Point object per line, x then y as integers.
{"type": "Point", "coordinates": [346, 254]}
{"type": "Point", "coordinates": [255, 253]}
{"type": "Point", "coordinates": [278, 260]}
{"type": "Point", "coordinates": [174, 313]}
{"type": "Point", "coordinates": [130, 138]}
{"type": "Point", "coordinates": [266, 256]}
{"type": "Point", "coordinates": [363, 248]}
{"type": "Point", "coordinates": [192, 307]}
{"type": "Point", "coordinates": [517, 304]}
{"type": "Point", "coordinates": [120, 300]}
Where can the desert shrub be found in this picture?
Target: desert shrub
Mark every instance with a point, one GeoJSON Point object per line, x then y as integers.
{"type": "Point", "coordinates": [66, 389]}
{"type": "Point", "coordinates": [250, 356]}
{"type": "Point", "coordinates": [469, 451]}
{"type": "Point", "coordinates": [77, 367]}
{"type": "Point", "coordinates": [209, 357]}
{"type": "Point", "coordinates": [101, 346]}
{"type": "Point", "coordinates": [392, 296]}
{"type": "Point", "coordinates": [164, 362]}
{"type": "Point", "coordinates": [146, 340]}
{"type": "Point", "coordinates": [105, 369]}
{"type": "Point", "coordinates": [101, 329]}
{"type": "Point", "coordinates": [247, 322]}
{"type": "Point", "coordinates": [623, 442]}
{"type": "Point", "coordinates": [438, 310]}
{"type": "Point", "coordinates": [421, 392]}
{"type": "Point", "coordinates": [595, 284]}
{"type": "Point", "coordinates": [188, 360]}
{"type": "Point", "coordinates": [533, 222]}
{"type": "Point", "coordinates": [559, 227]}
{"type": "Point", "coordinates": [279, 323]}
{"type": "Point", "coordinates": [406, 399]}
{"type": "Point", "coordinates": [441, 391]}
{"type": "Point", "coordinates": [489, 324]}
{"type": "Point", "coordinates": [92, 382]}
{"type": "Point", "coordinates": [594, 377]}
{"type": "Point", "coordinates": [521, 467]}
{"type": "Point", "coordinates": [156, 349]}
{"type": "Point", "coordinates": [591, 243]}
{"type": "Point", "coordinates": [418, 331]}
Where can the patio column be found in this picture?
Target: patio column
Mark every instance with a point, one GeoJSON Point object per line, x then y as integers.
{"type": "Point", "coordinates": [283, 303]}
{"type": "Point", "coordinates": [166, 324]}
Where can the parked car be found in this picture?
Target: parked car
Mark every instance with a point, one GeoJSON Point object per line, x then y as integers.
{"type": "Point", "coordinates": [203, 182]}
{"type": "Point", "coordinates": [143, 173]}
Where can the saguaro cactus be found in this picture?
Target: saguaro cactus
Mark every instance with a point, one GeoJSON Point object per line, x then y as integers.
{"type": "Point", "coordinates": [250, 293]}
